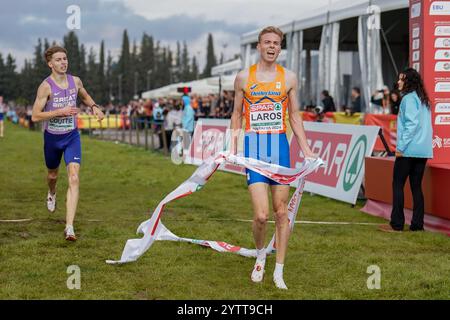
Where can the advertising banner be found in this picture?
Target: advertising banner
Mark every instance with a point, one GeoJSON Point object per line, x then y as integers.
{"type": "Point", "coordinates": [343, 149]}
{"type": "Point", "coordinates": [388, 125]}
{"type": "Point", "coordinates": [208, 139]}
{"type": "Point", "coordinates": [430, 55]}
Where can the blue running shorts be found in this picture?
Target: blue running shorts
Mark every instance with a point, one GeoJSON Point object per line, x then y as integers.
{"type": "Point", "coordinates": [267, 147]}
{"type": "Point", "coordinates": [55, 145]}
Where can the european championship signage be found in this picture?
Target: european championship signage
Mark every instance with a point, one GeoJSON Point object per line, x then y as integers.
{"type": "Point", "coordinates": [429, 32]}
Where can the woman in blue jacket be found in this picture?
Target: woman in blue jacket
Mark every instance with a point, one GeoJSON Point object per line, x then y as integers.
{"type": "Point", "coordinates": [414, 147]}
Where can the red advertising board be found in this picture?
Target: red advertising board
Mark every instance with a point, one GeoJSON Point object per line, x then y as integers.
{"type": "Point", "coordinates": [208, 139]}
{"type": "Point", "coordinates": [429, 50]}
{"type": "Point", "coordinates": [342, 147]}
{"type": "Point", "coordinates": [388, 125]}
{"type": "Point", "coordinates": [331, 147]}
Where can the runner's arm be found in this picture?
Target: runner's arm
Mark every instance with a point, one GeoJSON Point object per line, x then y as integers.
{"type": "Point", "coordinates": [87, 99]}
{"type": "Point", "coordinates": [42, 95]}
{"type": "Point", "coordinates": [83, 94]}
{"type": "Point", "coordinates": [295, 118]}
{"type": "Point", "coordinates": [236, 117]}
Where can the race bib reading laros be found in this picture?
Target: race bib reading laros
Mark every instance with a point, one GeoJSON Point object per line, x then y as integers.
{"type": "Point", "coordinates": [62, 124]}
{"type": "Point", "coordinates": [266, 117]}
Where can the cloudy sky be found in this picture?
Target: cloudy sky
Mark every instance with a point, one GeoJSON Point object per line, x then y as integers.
{"type": "Point", "coordinates": [22, 22]}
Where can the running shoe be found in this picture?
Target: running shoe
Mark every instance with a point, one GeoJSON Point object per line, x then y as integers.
{"type": "Point", "coordinates": [258, 270]}
{"type": "Point", "coordinates": [279, 282]}
{"type": "Point", "coordinates": [69, 233]}
{"type": "Point", "coordinates": [51, 202]}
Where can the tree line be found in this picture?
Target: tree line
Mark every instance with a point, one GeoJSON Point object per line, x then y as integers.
{"type": "Point", "coordinates": [137, 69]}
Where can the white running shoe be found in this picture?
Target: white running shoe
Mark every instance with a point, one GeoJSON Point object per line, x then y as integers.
{"type": "Point", "coordinates": [51, 202]}
{"type": "Point", "coordinates": [279, 282]}
{"type": "Point", "coordinates": [258, 270]}
{"type": "Point", "coordinates": [69, 233]}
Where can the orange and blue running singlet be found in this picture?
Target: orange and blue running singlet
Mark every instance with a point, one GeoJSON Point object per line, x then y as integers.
{"type": "Point", "coordinates": [265, 106]}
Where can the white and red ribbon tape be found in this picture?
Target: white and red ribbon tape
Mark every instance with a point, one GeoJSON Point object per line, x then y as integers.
{"type": "Point", "coordinates": [153, 229]}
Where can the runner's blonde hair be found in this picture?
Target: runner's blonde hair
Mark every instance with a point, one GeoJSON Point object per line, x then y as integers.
{"type": "Point", "coordinates": [270, 29]}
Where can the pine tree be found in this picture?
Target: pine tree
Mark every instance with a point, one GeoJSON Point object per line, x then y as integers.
{"type": "Point", "coordinates": [146, 58]}
{"type": "Point", "coordinates": [157, 75]}
{"type": "Point", "coordinates": [91, 80]}
{"type": "Point", "coordinates": [39, 70]}
{"type": "Point", "coordinates": [133, 70]}
{"type": "Point", "coordinates": [177, 67]}
{"type": "Point", "coordinates": [211, 60]}
{"type": "Point", "coordinates": [171, 68]}
{"type": "Point", "coordinates": [194, 70]}
{"type": "Point", "coordinates": [110, 83]}
{"type": "Point", "coordinates": [26, 85]}
{"type": "Point", "coordinates": [185, 68]}
{"type": "Point", "coordinates": [75, 54]}
{"type": "Point", "coordinates": [178, 58]}
{"type": "Point", "coordinates": [124, 65]}
{"type": "Point", "coordinates": [103, 89]}
{"type": "Point", "coordinates": [164, 71]}
{"type": "Point", "coordinates": [46, 44]}
{"type": "Point", "coordinates": [40, 65]}
{"type": "Point", "coordinates": [82, 69]}
{"type": "Point", "coordinates": [2, 76]}
{"type": "Point", "coordinates": [10, 78]}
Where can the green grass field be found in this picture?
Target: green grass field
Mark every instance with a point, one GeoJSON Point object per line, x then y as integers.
{"type": "Point", "coordinates": [119, 186]}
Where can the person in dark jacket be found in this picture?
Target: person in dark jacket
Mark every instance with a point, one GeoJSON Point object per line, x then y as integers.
{"type": "Point", "coordinates": [356, 102]}
{"type": "Point", "coordinates": [327, 102]}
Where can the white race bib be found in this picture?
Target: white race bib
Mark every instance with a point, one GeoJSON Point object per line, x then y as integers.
{"type": "Point", "coordinates": [266, 116]}
{"type": "Point", "coordinates": [61, 124]}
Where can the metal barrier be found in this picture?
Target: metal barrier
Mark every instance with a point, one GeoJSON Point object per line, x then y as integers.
{"type": "Point", "coordinates": [138, 131]}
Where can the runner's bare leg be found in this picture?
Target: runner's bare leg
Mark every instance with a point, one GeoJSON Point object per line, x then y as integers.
{"type": "Point", "coordinates": [280, 195]}
{"type": "Point", "coordinates": [52, 178]}
{"type": "Point", "coordinates": [73, 170]}
{"type": "Point", "coordinates": [260, 201]}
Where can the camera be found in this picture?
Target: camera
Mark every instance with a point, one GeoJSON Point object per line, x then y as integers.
{"type": "Point", "coordinates": [318, 110]}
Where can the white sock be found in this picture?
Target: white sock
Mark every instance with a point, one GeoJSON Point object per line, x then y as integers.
{"type": "Point", "coordinates": [278, 273]}
{"type": "Point", "coordinates": [261, 254]}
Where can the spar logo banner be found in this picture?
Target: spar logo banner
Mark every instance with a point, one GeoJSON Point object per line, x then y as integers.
{"type": "Point", "coordinates": [343, 149]}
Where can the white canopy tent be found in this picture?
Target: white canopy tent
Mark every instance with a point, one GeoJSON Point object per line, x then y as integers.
{"type": "Point", "coordinates": [322, 28]}
{"type": "Point", "coordinates": [228, 68]}
{"type": "Point", "coordinates": [336, 11]}
{"type": "Point", "coordinates": [227, 82]}
{"type": "Point", "coordinates": [201, 87]}
{"type": "Point", "coordinates": [157, 93]}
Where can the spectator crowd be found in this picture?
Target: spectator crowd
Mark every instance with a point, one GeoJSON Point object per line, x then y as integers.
{"type": "Point", "coordinates": [168, 112]}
